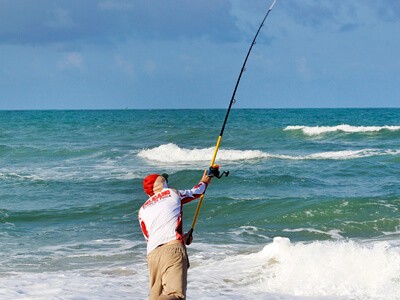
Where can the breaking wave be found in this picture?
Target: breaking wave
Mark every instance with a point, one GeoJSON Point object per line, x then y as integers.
{"type": "Point", "coordinates": [334, 269]}
{"type": "Point", "coordinates": [171, 153]}
{"type": "Point", "coordinates": [317, 130]}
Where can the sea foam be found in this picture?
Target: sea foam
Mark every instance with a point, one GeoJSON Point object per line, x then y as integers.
{"type": "Point", "coordinates": [172, 153]}
{"type": "Point", "coordinates": [317, 130]}
{"type": "Point", "coordinates": [328, 269]}
{"type": "Point", "coordinates": [332, 268]}
{"type": "Point", "coordinates": [284, 270]}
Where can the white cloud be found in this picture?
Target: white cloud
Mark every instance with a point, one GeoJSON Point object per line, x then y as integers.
{"type": "Point", "coordinates": [124, 65]}
{"type": "Point", "coordinates": [303, 68]}
{"type": "Point", "coordinates": [60, 18]}
{"type": "Point", "coordinates": [72, 60]}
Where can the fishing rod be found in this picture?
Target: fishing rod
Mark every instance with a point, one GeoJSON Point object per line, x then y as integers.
{"type": "Point", "coordinates": [214, 168]}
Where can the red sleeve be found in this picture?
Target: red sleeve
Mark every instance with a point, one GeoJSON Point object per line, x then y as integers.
{"type": "Point", "coordinates": [192, 194]}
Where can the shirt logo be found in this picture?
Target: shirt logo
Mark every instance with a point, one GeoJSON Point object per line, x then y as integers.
{"type": "Point", "coordinates": [156, 198]}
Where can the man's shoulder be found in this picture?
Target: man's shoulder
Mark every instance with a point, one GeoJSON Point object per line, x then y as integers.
{"type": "Point", "coordinates": [160, 197]}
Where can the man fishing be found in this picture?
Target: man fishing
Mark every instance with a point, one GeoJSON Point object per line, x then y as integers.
{"type": "Point", "coordinates": [160, 218]}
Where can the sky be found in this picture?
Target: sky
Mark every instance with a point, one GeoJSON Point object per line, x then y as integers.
{"type": "Point", "coordinates": [151, 54]}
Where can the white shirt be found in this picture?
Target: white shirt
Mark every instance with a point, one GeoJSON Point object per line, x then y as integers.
{"type": "Point", "coordinates": [160, 217]}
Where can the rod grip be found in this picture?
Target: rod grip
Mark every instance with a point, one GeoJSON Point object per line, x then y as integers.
{"type": "Point", "coordinates": [189, 237]}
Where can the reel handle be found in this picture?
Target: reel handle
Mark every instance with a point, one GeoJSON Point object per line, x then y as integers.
{"type": "Point", "coordinates": [213, 171]}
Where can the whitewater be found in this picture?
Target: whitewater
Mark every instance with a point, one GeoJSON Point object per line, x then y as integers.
{"type": "Point", "coordinates": [171, 153]}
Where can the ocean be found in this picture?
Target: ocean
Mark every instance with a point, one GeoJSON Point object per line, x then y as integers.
{"type": "Point", "coordinates": [310, 209]}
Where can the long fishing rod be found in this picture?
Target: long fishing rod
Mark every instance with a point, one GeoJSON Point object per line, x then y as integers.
{"type": "Point", "coordinates": [214, 169]}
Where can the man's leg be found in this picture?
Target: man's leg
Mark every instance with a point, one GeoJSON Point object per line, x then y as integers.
{"type": "Point", "coordinates": [155, 274]}
{"type": "Point", "coordinates": [174, 278]}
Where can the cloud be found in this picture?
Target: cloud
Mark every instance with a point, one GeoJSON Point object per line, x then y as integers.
{"type": "Point", "coordinates": [333, 15]}
{"type": "Point", "coordinates": [60, 19]}
{"type": "Point", "coordinates": [43, 22]}
{"type": "Point", "coordinates": [388, 10]}
{"type": "Point", "coordinates": [71, 60]}
{"type": "Point", "coordinates": [348, 27]}
{"type": "Point", "coordinates": [124, 65]}
{"type": "Point", "coordinates": [303, 68]}
{"type": "Point", "coordinates": [73, 22]}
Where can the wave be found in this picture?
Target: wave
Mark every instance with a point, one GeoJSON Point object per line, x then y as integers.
{"type": "Point", "coordinates": [349, 154]}
{"type": "Point", "coordinates": [105, 209]}
{"type": "Point", "coordinates": [102, 283]}
{"type": "Point", "coordinates": [107, 167]}
{"type": "Point", "coordinates": [16, 176]}
{"type": "Point", "coordinates": [317, 130]}
{"type": "Point", "coordinates": [72, 173]}
{"type": "Point", "coordinates": [171, 153]}
{"type": "Point", "coordinates": [332, 268]}
{"type": "Point", "coordinates": [345, 269]}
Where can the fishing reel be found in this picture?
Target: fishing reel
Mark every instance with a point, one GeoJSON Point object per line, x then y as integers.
{"type": "Point", "coordinates": [213, 171]}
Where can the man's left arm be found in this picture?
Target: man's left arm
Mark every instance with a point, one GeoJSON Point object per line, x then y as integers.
{"type": "Point", "coordinates": [198, 190]}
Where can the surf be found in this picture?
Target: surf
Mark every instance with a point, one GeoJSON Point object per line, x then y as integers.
{"type": "Point", "coordinates": [339, 269]}
{"type": "Point", "coordinates": [171, 154]}
{"type": "Point", "coordinates": [345, 128]}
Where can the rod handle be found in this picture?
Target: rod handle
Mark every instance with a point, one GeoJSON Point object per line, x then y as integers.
{"type": "Point", "coordinates": [189, 237]}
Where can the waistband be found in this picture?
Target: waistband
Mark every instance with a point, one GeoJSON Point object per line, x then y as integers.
{"type": "Point", "coordinates": [173, 242]}
{"type": "Point", "coordinates": [174, 245]}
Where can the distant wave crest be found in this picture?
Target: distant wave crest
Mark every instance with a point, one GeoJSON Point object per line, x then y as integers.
{"type": "Point", "coordinates": [317, 130]}
{"type": "Point", "coordinates": [171, 153]}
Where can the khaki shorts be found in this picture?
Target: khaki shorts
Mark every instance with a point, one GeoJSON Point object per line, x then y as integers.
{"type": "Point", "coordinates": [168, 266]}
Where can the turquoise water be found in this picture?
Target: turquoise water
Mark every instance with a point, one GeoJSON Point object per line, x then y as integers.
{"type": "Point", "coordinates": [310, 209]}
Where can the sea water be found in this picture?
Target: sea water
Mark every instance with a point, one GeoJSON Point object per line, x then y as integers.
{"type": "Point", "coordinates": [310, 209]}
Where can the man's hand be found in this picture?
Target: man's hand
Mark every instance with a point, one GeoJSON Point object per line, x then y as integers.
{"type": "Point", "coordinates": [206, 179]}
{"type": "Point", "coordinates": [188, 237]}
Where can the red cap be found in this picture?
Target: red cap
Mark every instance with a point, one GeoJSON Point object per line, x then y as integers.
{"type": "Point", "coordinates": [148, 184]}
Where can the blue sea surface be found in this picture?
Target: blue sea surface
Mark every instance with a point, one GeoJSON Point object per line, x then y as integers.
{"type": "Point", "coordinates": [310, 209]}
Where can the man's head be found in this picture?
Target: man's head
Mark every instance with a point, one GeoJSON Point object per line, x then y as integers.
{"type": "Point", "coordinates": [154, 183]}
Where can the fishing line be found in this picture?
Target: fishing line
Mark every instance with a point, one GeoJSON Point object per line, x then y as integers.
{"type": "Point", "coordinates": [214, 168]}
